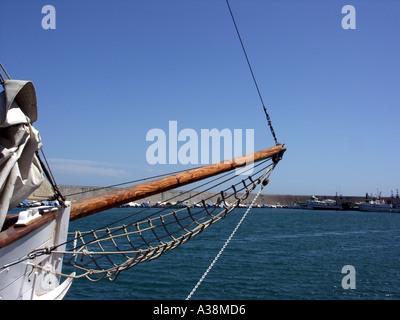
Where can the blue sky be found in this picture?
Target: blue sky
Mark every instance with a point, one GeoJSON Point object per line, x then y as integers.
{"type": "Point", "coordinates": [113, 70]}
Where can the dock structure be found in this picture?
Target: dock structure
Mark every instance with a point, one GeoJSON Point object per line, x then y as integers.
{"type": "Point", "coordinates": [75, 193]}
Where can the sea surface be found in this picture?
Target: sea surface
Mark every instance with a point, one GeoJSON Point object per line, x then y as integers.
{"type": "Point", "coordinates": [275, 254]}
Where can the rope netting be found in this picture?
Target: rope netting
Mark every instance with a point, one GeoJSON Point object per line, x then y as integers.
{"type": "Point", "coordinates": [148, 233]}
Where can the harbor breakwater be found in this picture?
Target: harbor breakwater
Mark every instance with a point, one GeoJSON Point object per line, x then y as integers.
{"type": "Point", "coordinates": [74, 193]}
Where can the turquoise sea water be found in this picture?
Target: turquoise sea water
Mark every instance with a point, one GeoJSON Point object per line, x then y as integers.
{"type": "Point", "coordinates": [275, 254]}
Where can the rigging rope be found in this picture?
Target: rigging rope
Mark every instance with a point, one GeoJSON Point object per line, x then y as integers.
{"type": "Point", "coordinates": [252, 74]}
{"type": "Point", "coordinates": [127, 182]}
{"type": "Point", "coordinates": [105, 252]}
{"type": "Point", "coordinates": [224, 246]}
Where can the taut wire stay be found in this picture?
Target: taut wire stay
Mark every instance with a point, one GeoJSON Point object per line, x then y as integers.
{"type": "Point", "coordinates": [148, 233]}
{"type": "Point", "coordinates": [253, 76]}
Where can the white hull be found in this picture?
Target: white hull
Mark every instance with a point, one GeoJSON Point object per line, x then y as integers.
{"type": "Point", "coordinates": [35, 278]}
{"type": "Point", "coordinates": [323, 204]}
{"type": "Point", "coordinates": [377, 207]}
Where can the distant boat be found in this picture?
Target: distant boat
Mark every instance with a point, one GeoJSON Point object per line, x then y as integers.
{"type": "Point", "coordinates": [378, 205]}
{"type": "Point", "coordinates": [326, 204]}
{"type": "Point", "coordinates": [298, 205]}
{"type": "Point", "coordinates": [130, 205]}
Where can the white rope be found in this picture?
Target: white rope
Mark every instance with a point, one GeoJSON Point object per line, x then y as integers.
{"type": "Point", "coordinates": [224, 246]}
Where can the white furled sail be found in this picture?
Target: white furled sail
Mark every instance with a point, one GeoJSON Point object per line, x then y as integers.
{"type": "Point", "coordinates": [20, 170]}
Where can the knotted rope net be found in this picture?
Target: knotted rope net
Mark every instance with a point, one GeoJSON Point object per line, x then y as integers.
{"type": "Point", "coordinates": [148, 233]}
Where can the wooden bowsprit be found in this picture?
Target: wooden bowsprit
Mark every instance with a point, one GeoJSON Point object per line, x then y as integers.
{"type": "Point", "coordinates": [150, 232]}
{"type": "Point", "coordinates": [114, 199]}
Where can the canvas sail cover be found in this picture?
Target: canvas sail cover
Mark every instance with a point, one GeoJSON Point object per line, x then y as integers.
{"type": "Point", "coordinates": [20, 170]}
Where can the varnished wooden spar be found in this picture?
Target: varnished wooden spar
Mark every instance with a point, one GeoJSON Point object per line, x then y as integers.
{"type": "Point", "coordinates": [119, 197]}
